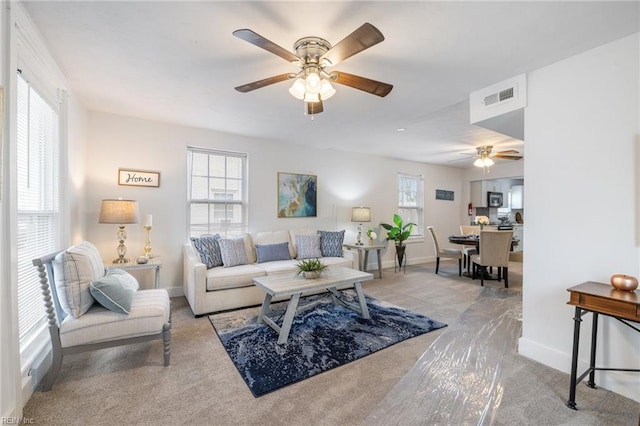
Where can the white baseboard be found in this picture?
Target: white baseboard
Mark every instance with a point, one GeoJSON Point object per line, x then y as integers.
{"type": "Point", "coordinates": [175, 291]}
{"type": "Point", "coordinates": [624, 383]}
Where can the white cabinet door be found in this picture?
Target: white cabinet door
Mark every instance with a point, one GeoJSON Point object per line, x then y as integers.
{"type": "Point", "coordinates": [517, 197]}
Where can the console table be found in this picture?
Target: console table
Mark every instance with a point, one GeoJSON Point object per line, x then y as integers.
{"type": "Point", "coordinates": [598, 298]}
{"type": "Point", "coordinates": [363, 255]}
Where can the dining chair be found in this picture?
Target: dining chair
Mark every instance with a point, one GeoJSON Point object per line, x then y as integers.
{"type": "Point", "coordinates": [447, 253]}
{"type": "Point", "coordinates": [469, 250]}
{"type": "Point", "coordinates": [494, 251]}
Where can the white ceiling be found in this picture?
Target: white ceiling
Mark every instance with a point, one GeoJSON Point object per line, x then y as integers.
{"type": "Point", "coordinates": [177, 61]}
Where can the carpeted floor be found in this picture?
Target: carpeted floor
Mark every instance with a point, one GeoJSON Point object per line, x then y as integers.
{"type": "Point", "coordinates": [323, 336]}
{"type": "Point", "coordinates": [129, 385]}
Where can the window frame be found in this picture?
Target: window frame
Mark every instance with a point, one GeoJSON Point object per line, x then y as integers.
{"type": "Point", "coordinates": [417, 234]}
{"type": "Point", "coordinates": [218, 204]}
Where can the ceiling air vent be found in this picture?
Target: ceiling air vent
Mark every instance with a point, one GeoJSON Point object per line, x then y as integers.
{"type": "Point", "coordinates": [501, 96]}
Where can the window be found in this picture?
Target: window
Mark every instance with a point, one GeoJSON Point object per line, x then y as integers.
{"type": "Point", "coordinates": [37, 199]}
{"type": "Point", "coordinates": [410, 201]}
{"type": "Point", "coordinates": [217, 192]}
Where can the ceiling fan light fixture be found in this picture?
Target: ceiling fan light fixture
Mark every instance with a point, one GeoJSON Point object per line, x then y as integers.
{"type": "Point", "coordinates": [488, 162]}
{"type": "Point", "coordinates": [313, 83]}
{"type": "Point", "coordinates": [297, 89]}
{"type": "Point", "coordinates": [479, 162]}
{"type": "Point", "coordinates": [326, 90]}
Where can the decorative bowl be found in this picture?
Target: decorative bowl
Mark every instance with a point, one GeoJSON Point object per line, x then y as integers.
{"type": "Point", "coordinates": [624, 282]}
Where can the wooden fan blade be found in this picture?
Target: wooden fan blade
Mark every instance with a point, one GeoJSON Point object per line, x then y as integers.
{"type": "Point", "coordinates": [256, 39]}
{"type": "Point", "coordinates": [508, 151]}
{"type": "Point", "coordinates": [265, 82]}
{"type": "Point", "coordinates": [314, 107]}
{"type": "Point", "coordinates": [362, 38]}
{"type": "Point", "coordinates": [507, 157]}
{"type": "Point", "coordinates": [371, 86]}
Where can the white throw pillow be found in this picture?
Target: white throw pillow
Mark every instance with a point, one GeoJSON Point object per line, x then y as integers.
{"type": "Point", "coordinates": [74, 270]}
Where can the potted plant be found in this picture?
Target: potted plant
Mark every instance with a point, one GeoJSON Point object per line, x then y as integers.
{"type": "Point", "coordinates": [398, 232]}
{"type": "Point", "coordinates": [310, 268]}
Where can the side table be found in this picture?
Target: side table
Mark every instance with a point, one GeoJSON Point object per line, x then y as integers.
{"type": "Point", "coordinates": [154, 263]}
{"type": "Point", "coordinates": [599, 299]}
{"type": "Point", "coordinates": [363, 255]}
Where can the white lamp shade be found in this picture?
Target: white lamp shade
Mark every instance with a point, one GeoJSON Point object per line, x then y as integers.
{"type": "Point", "coordinates": [120, 212]}
{"type": "Point", "coordinates": [361, 214]}
{"type": "Point", "coordinates": [297, 89]}
{"type": "Point", "coordinates": [326, 90]}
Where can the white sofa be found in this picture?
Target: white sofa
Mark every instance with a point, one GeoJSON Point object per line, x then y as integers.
{"type": "Point", "coordinates": [222, 288]}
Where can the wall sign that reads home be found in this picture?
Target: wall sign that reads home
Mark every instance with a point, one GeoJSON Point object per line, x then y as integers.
{"type": "Point", "coordinates": [442, 194]}
{"type": "Point", "coordinates": [138, 178]}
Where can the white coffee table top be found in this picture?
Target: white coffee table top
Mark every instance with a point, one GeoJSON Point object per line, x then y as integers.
{"type": "Point", "coordinates": [288, 284]}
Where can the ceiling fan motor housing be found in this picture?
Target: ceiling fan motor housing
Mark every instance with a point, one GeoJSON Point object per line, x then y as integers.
{"type": "Point", "coordinates": [310, 50]}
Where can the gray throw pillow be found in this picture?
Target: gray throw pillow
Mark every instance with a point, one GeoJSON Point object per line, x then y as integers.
{"type": "Point", "coordinates": [208, 248]}
{"type": "Point", "coordinates": [271, 252]}
{"type": "Point", "coordinates": [233, 251]}
{"type": "Point", "coordinates": [308, 246]}
{"type": "Point", "coordinates": [115, 291]}
{"type": "Point", "coordinates": [331, 243]}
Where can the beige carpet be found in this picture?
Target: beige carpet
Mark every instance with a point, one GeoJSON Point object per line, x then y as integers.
{"type": "Point", "coordinates": [129, 385]}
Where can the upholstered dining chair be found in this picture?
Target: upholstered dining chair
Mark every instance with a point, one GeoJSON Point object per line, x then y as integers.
{"type": "Point", "coordinates": [468, 250]}
{"type": "Point", "coordinates": [494, 251]}
{"type": "Point", "coordinates": [78, 323]}
{"type": "Point", "coordinates": [447, 253]}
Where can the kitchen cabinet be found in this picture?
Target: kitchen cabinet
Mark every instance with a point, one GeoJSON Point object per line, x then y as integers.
{"type": "Point", "coordinates": [479, 189]}
{"type": "Point", "coordinates": [478, 194]}
{"type": "Point", "coordinates": [517, 197]}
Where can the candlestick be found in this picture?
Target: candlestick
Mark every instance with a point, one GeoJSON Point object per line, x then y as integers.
{"type": "Point", "coordinates": [149, 221]}
{"type": "Point", "coordinates": [147, 242]}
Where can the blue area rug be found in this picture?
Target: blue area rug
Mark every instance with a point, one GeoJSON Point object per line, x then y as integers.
{"type": "Point", "coordinates": [323, 336]}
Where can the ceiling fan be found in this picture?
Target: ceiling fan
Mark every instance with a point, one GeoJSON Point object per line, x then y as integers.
{"type": "Point", "coordinates": [485, 156]}
{"type": "Point", "coordinates": [312, 84]}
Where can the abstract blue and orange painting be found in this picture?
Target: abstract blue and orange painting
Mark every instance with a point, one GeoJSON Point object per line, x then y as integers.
{"type": "Point", "coordinates": [297, 195]}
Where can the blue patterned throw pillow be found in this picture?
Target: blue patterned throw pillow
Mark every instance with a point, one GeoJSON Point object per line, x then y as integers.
{"type": "Point", "coordinates": [208, 247]}
{"type": "Point", "coordinates": [308, 246]}
{"type": "Point", "coordinates": [270, 252]}
{"type": "Point", "coordinates": [331, 243]}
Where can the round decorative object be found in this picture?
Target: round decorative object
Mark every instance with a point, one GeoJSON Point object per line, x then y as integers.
{"type": "Point", "coordinates": [311, 274]}
{"type": "Point", "coordinates": [624, 282]}
{"type": "Point", "coordinates": [142, 260]}
{"type": "Point", "coordinates": [371, 241]}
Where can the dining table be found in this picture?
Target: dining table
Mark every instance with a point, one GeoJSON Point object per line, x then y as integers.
{"type": "Point", "coordinates": [474, 240]}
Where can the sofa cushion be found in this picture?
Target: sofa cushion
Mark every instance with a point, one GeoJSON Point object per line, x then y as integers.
{"type": "Point", "coordinates": [280, 266]}
{"type": "Point", "coordinates": [74, 270]}
{"type": "Point", "coordinates": [115, 291]}
{"type": "Point", "coordinates": [233, 251]}
{"type": "Point", "coordinates": [208, 247]}
{"type": "Point", "coordinates": [271, 252]}
{"type": "Point", "coordinates": [331, 243]}
{"type": "Point", "coordinates": [273, 237]}
{"type": "Point", "coordinates": [238, 276]}
{"type": "Point", "coordinates": [308, 246]}
{"type": "Point", "coordinates": [150, 310]}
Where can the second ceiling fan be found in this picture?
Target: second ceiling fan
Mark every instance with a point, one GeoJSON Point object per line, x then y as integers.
{"type": "Point", "coordinates": [313, 54]}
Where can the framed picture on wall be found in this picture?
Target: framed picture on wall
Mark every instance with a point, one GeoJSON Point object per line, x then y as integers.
{"type": "Point", "coordinates": [297, 195]}
{"type": "Point", "coordinates": [130, 177]}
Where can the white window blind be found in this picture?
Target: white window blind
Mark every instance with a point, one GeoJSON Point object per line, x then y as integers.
{"type": "Point", "coordinates": [217, 192]}
{"type": "Point", "coordinates": [37, 199]}
{"type": "Point", "coordinates": [411, 201]}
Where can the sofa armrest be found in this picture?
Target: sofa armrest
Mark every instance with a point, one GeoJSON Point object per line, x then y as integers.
{"type": "Point", "coordinates": [194, 278]}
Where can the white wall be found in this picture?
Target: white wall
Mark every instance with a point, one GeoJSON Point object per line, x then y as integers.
{"type": "Point", "coordinates": [344, 180]}
{"type": "Point", "coordinates": [581, 174]}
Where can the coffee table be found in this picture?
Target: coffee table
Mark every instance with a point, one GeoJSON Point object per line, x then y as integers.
{"type": "Point", "coordinates": [333, 279]}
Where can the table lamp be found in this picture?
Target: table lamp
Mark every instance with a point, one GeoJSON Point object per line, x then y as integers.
{"type": "Point", "coordinates": [360, 215]}
{"type": "Point", "coordinates": [120, 212]}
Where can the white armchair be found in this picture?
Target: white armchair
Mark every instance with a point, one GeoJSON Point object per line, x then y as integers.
{"type": "Point", "coordinates": [148, 318]}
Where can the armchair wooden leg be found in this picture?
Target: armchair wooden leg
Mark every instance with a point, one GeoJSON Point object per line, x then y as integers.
{"type": "Point", "coordinates": [437, 264]}
{"type": "Point", "coordinates": [166, 338]}
{"type": "Point", "coordinates": [459, 267]}
{"type": "Point", "coordinates": [483, 270]}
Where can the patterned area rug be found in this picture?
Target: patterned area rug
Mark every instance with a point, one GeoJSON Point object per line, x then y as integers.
{"type": "Point", "coordinates": [323, 336]}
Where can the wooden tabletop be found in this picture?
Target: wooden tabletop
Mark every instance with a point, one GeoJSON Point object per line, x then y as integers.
{"type": "Point", "coordinates": [605, 299]}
